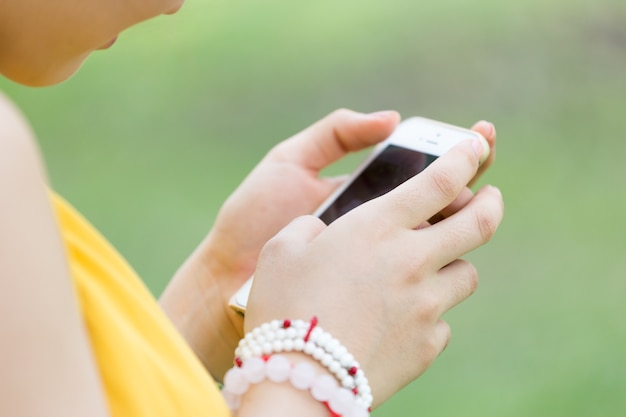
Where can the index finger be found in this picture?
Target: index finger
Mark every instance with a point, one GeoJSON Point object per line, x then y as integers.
{"type": "Point", "coordinates": [334, 136]}
{"type": "Point", "coordinates": [427, 193]}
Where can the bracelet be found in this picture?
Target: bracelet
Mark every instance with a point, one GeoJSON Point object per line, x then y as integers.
{"type": "Point", "coordinates": [306, 337]}
{"type": "Point", "coordinates": [277, 368]}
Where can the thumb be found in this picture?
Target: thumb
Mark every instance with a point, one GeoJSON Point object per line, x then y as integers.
{"type": "Point", "coordinates": [336, 135]}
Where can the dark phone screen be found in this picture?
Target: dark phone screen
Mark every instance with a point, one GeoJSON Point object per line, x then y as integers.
{"type": "Point", "coordinates": [393, 166]}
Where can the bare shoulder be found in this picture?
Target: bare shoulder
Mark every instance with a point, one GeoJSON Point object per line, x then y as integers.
{"type": "Point", "coordinates": [45, 352]}
{"type": "Point", "coordinates": [23, 183]}
{"type": "Point", "coordinates": [18, 148]}
{"type": "Point", "coordinates": [12, 122]}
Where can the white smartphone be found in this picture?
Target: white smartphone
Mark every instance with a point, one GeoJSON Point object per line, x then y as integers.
{"type": "Point", "coordinates": [413, 145]}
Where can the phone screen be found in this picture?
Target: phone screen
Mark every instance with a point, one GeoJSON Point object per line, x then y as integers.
{"type": "Point", "coordinates": [393, 166]}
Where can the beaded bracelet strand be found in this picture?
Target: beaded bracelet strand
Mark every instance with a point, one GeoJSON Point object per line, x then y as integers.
{"type": "Point", "coordinates": [307, 337]}
{"type": "Point", "coordinates": [277, 368]}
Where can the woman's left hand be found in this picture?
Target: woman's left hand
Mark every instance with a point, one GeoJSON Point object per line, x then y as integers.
{"type": "Point", "coordinates": [287, 184]}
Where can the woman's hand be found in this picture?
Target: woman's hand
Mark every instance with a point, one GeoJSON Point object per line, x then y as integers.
{"type": "Point", "coordinates": [284, 185]}
{"type": "Point", "coordinates": [287, 184]}
{"type": "Point", "coordinates": [380, 277]}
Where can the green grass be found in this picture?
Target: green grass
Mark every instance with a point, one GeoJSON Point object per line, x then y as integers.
{"type": "Point", "coordinates": [151, 136]}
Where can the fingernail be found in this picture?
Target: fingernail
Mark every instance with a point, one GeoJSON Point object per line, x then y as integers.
{"type": "Point", "coordinates": [383, 113]}
{"type": "Point", "coordinates": [489, 127]}
{"type": "Point", "coordinates": [495, 190]}
{"type": "Point", "coordinates": [492, 129]}
{"type": "Point", "coordinates": [481, 147]}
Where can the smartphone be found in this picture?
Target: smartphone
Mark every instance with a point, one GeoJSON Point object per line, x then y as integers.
{"type": "Point", "coordinates": [413, 145]}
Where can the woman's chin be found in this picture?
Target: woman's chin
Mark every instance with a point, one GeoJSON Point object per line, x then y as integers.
{"type": "Point", "coordinates": [47, 76]}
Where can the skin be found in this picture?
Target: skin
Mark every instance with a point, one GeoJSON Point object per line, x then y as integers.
{"type": "Point", "coordinates": [405, 278]}
{"type": "Point", "coordinates": [37, 312]}
{"type": "Point", "coordinates": [45, 42]}
{"type": "Point", "coordinates": [399, 254]}
{"type": "Point", "coordinates": [284, 185]}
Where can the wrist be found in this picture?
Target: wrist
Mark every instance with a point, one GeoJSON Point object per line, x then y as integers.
{"type": "Point", "coordinates": [302, 355]}
{"type": "Point", "coordinates": [279, 400]}
{"type": "Point", "coordinates": [196, 301]}
{"type": "Point", "coordinates": [297, 336]}
{"type": "Point", "coordinates": [284, 383]}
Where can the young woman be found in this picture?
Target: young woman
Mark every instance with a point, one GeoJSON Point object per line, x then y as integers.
{"type": "Point", "coordinates": [80, 334]}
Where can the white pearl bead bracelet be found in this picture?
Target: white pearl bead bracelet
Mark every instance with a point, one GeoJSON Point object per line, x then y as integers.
{"type": "Point", "coordinates": [277, 368]}
{"type": "Point", "coordinates": [299, 336]}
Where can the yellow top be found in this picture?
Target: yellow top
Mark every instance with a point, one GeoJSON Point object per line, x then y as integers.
{"type": "Point", "coordinates": [147, 368]}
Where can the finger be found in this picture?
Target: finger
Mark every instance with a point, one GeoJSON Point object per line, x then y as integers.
{"type": "Point", "coordinates": [429, 344]}
{"type": "Point", "coordinates": [442, 335]}
{"type": "Point", "coordinates": [424, 195]}
{"type": "Point", "coordinates": [461, 201]}
{"type": "Point", "coordinates": [436, 345]}
{"type": "Point", "coordinates": [488, 131]}
{"type": "Point", "coordinates": [454, 283]}
{"type": "Point", "coordinates": [301, 231]}
{"type": "Point", "coordinates": [288, 243]}
{"type": "Point", "coordinates": [422, 225]}
{"type": "Point", "coordinates": [334, 136]}
{"type": "Point", "coordinates": [335, 181]}
{"type": "Point", "coordinates": [469, 228]}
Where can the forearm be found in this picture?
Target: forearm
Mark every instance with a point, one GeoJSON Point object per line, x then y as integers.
{"type": "Point", "coordinates": [253, 390]}
{"type": "Point", "coordinates": [196, 303]}
{"type": "Point", "coordinates": [278, 400]}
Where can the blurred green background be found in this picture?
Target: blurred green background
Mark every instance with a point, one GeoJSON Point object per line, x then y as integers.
{"type": "Point", "coordinates": [152, 135]}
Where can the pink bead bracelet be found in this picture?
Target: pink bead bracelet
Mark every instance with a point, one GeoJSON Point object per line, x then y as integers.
{"type": "Point", "coordinates": [307, 337]}
{"type": "Point", "coordinates": [278, 369]}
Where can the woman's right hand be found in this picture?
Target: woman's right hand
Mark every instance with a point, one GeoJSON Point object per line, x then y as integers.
{"type": "Point", "coordinates": [380, 277]}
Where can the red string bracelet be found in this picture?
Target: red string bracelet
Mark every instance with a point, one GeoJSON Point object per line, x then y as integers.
{"type": "Point", "coordinates": [311, 327]}
{"type": "Point", "coordinates": [306, 337]}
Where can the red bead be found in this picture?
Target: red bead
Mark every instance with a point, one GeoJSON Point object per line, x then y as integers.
{"type": "Point", "coordinates": [355, 391]}
{"type": "Point", "coordinates": [238, 362]}
{"type": "Point", "coordinates": [352, 371]}
{"type": "Point", "coordinates": [286, 324]}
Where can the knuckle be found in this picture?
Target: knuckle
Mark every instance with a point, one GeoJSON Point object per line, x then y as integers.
{"type": "Point", "coordinates": [416, 265]}
{"type": "Point", "coordinates": [444, 184]}
{"type": "Point", "coordinates": [430, 349]}
{"type": "Point", "coordinates": [470, 158]}
{"type": "Point", "coordinates": [466, 160]}
{"type": "Point", "coordinates": [434, 344]}
{"type": "Point", "coordinates": [285, 241]}
{"type": "Point", "coordinates": [429, 308]}
{"type": "Point", "coordinates": [465, 281]}
{"type": "Point", "coordinates": [472, 278]}
{"type": "Point", "coordinates": [277, 244]}
{"type": "Point", "coordinates": [487, 222]}
{"type": "Point", "coordinates": [445, 329]}
{"type": "Point", "coordinates": [469, 283]}
{"type": "Point", "coordinates": [445, 334]}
